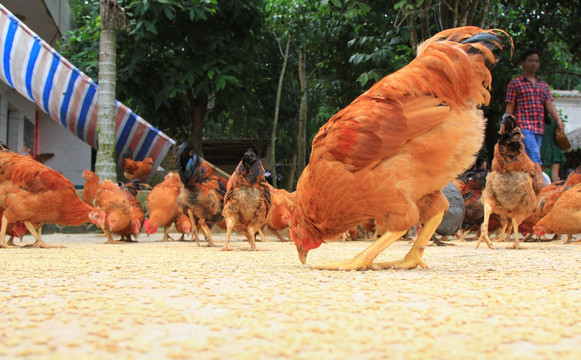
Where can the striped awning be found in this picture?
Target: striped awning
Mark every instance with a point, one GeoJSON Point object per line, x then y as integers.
{"type": "Point", "coordinates": [39, 73]}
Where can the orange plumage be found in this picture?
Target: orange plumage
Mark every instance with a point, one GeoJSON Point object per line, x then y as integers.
{"type": "Point", "coordinates": [135, 169]}
{"type": "Point", "coordinates": [110, 199]}
{"type": "Point", "coordinates": [545, 201]}
{"type": "Point", "coordinates": [513, 184]}
{"type": "Point", "coordinates": [183, 225]}
{"type": "Point", "coordinates": [565, 216]}
{"type": "Point", "coordinates": [14, 230]}
{"type": "Point", "coordinates": [29, 191]}
{"type": "Point", "coordinates": [280, 212]}
{"type": "Point", "coordinates": [398, 145]}
{"type": "Point", "coordinates": [90, 187]}
{"type": "Point", "coordinates": [137, 215]}
{"type": "Point", "coordinates": [247, 200]}
{"type": "Point", "coordinates": [162, 205]}
{"type": "Point", "coordinates": [562, 219]}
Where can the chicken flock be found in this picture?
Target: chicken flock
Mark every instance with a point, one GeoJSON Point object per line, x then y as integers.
{"type": "Point", "coordinates": [404, 146]}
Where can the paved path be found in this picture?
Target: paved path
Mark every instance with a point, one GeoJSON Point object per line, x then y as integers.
{"type": "Point", "coordinates": [153, 300]}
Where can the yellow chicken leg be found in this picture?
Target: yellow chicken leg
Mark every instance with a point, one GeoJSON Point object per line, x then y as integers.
{"type": "Point", "coordinates": [207, 234]}
{"type": "Point", "coordinates": [364, 260]}
{"type": "Point", "coordinates": [516, 244]}
{"type": "Point", "coordinates": [413, 258]}
{"type": "Point", "coordinates": [110, 239]}
{"type": "Point", "coordinates": [36, 235]}
{"type": "Point", "coordinates": [484, 227]}
{"type": "Point", "coordinates": [3, 233]}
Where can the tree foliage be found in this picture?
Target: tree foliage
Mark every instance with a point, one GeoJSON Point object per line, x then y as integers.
{"type": "Point", "coordinates": [211, 68]}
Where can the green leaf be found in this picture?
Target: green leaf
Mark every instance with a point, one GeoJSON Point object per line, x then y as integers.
{"type": "Point", "coordinates": [220, 83]}
{"type": "Point", "coordinates": [149, 26]}
{"type": "Point", "coordinates": [168, 13]}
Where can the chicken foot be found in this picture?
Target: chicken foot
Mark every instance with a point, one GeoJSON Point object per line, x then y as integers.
{"type": "Point", "coordinates": [569, 238]}
{"type": "Point", "coordinates": [10, 242]}
{"type": "Point", "coordinates": [364, 260]}
{"type": "Point", "coordinates": [516, 244]}
{"type": "Point", "coordinates": [440, 241]}
{"type": "Point", "coordinates": [110, 237]}
{"type": "Point", "coordinates": [166, 236]}
{"type": "Point", "coordinates": [3, 233]}
{"type": "Point", "coordinates": [36, 235]}
{"type": "Point", "coordinates": [413, 258]}
{"type": "Point", "coordinates": [207, 234]}
{"type": "Point", "coordinates": [506, 229]}
{"type": "Point", "coordinates": [484, 227]}
{"type": "Point", "coordinates": [229, 227]}
{"type": "Point", "coordinates": [194, 227]}
{"type": "Point", "coordinates": [463, 235]}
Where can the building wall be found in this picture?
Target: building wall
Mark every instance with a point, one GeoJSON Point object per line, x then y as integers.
{"type": "Point", "coordinates": [569, 103]}
{"type": "Point", "coordinates": [71, 155]}
{"type": "Point", "coordinates": [570, 107]}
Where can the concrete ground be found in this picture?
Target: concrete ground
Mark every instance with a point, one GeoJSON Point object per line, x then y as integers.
{"type": "Point", "coordinates": [175, 300]}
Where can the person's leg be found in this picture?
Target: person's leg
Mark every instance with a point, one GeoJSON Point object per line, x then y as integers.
{"type": "Point", "coordinates": [532, 144]}
{"type": "Point", "coordinates": [555, 172]}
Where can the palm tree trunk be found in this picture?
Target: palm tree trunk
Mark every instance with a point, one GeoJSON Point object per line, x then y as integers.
{"type": "Point", "coordinates": [105, 163]}
{"type": "Point", "coordinates": [112, 19]}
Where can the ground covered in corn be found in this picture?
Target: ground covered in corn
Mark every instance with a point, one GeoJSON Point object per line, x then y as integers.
{"type": "Point", "coordinates": [175, 300]}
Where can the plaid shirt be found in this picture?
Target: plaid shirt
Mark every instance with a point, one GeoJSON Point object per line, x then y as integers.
{"type": "Point", "coordinates": [529, 100]}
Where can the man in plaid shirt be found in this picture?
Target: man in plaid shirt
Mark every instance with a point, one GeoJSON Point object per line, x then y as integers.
{"type": "Point", "coordinates": [527, 97]}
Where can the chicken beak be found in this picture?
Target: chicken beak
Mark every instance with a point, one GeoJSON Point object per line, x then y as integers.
{"type": "Point", "coordinates": [302, 255]}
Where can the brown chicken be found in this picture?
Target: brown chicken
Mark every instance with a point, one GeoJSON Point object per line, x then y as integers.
{"type": "Point", "coordinates": [113, 201]}
{"type": "Point", "coordinates": [513, 184]}
{"type": "Point", "coordinates": [14, 230]}
{"type": "Point", "coordinates": [162, 206]}
{"type": "Point", "coordinates": [247, 200]}
{"type": "Point", "coordinates": [472, 185]}
{"type": "Point", "coordinates": [134, 169]}
{"type": "Point", "coordinates": [28, 193]}
{"type": "Point", "coordinates": [202, 191]}
{"type": "Point", "coordinates": [545, 201]}
{"type": "Point", "coordinates": [137, 215]}
{"type": "Point", "coordinates": [565, 216]}
{"type": "Point", "coordinates": [17, 229]}
{"type": "Point", "coordinates": [280, 212]}
{"type": "Point", "coordinates": [388, 154]}
{"type": "Point", "coordinates": [90, 187]}
{"type": "Point", "coordinates": [183, 225]}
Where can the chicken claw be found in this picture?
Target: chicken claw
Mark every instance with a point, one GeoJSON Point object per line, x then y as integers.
{"type": "Point", "coordinates": [357, 263]}
{"type": "Point", "coordinates": [413, 258]}
{"type": "Point", "coordinates": [364, 260]}
{"type": "Point", "coordinates": [110, 237]}
{"type": "Point", "coordinates": [486, 240]}
{"type": "Point", "coordinates": [41, 244]}
{"type": "Point", "coordinates": [484, 227]}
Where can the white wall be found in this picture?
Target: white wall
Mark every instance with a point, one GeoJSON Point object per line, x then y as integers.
{"type": "Point", "coordinates": [72, 156]}
{"type": "Point", "coordinates": [569, 102]}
